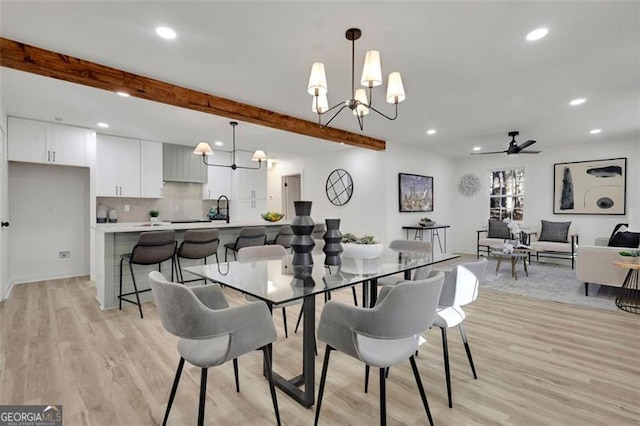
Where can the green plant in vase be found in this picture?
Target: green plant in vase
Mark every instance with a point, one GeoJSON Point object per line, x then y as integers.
{"type": "Point", "coordinates": [153, 214]}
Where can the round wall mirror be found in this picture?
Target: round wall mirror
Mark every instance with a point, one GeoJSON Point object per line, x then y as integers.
{"type": "Point", "coordinates": [339, 187]}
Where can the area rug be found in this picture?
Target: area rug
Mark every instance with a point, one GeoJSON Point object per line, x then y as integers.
{"type": "Point", "coordinates": [549, 282]}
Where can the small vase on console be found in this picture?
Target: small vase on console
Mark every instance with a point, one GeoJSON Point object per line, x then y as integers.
{"type": "Point", "coordinates": [302, 242]}
{"type": "Point", "coordinates": [332, 247]}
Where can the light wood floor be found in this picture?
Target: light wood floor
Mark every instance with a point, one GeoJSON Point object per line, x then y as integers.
{"type": "Point", "coordinates": [538, 363]}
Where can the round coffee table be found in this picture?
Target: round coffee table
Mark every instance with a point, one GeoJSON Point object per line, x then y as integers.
{"type": "Point", "coordinates": [514, 256]}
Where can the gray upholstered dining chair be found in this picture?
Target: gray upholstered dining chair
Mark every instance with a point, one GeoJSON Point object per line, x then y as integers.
{"type": "Point", "coordinates": [198, 244]}
{"type": "Point", "coordinates": [153, 247]}
{"type": "Point", "coordinates": [384, 335]}
{"type": "Point", "coordinates": [248, 237]}
{"type": "Point", "coordinates": [460, 288]}
{"type": "Point", "coordinates": [247, 254]}
{"type": "Point", "coordinates": [211, 333]}
{"type": "Point", "coordinates": [408, 246]}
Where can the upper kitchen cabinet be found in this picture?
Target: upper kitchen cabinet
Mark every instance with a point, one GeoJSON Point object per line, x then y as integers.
{"type": "Point", "coordinates": [48, 143]}
{"type": "Point", "coordinates": [180, 165]}
{"type": "Point", "coordinates": [151, 183]}
{"type": "Point", "coordinates": [219, 178]}
{"type": "Point", "coordinates": [117, 167]}
{"type": "Point", "coordinates": [249, 183]}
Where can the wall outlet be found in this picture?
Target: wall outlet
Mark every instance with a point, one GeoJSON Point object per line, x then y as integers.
{"type": "Point", "coordinates": [66, 254]}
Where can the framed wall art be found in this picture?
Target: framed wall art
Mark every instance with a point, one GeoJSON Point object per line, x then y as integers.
{"type": "Point", "coordinates": [415, 193]}
{"type": "Point", "coordinates": [590, 187]}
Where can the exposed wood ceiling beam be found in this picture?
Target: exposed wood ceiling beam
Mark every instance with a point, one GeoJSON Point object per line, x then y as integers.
{"type": "Point", "coordinates": [24, 57]}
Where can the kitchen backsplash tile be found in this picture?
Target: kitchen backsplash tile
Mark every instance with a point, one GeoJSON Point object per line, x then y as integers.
{"type": "Point", "coordinates": [181, 201]}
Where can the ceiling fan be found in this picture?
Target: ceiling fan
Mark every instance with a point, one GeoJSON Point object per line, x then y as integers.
{"type": "Point", "coordinates": [513, 148]}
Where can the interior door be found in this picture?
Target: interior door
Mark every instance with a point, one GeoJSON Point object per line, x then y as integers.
{"type": "Point", "coordinates": [4, 240]}
{"type": "Point", "coordinates": [291, 191]}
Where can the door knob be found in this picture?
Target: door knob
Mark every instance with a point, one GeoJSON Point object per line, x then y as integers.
{"type": "Point", "coordinates": [5, 224]}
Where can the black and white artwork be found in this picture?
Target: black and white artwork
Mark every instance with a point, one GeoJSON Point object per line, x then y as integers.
{"type": "Point", "coordinates": [590, 187]}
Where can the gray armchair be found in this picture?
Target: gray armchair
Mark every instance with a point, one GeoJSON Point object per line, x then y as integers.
{"type": "Point", "coordinates": [210, 333]}
{"type": "Point", "coordinates": [384, 335]}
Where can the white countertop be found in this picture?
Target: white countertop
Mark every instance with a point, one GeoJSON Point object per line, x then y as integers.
{"type": "Point", "coordinates": [158, 226]}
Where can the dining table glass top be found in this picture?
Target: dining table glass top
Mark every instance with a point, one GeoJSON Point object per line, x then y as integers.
{"type": "Point", "coordinates": [274, 280]}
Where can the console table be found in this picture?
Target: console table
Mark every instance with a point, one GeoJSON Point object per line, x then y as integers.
{"type": "Point", "coordinates": [629, 297]}
{"type": "Point", "coordinates": [433, 230]}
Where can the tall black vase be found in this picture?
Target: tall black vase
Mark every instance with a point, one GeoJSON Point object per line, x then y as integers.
{"type": "Point", "coordinates": [332, 247]}
{"type": "Point", "coordinates": [302, 242]}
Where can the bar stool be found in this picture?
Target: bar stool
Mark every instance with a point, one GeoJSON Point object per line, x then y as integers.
{"type": "Point", "coordinates": [283, 238]}
{"type": "Point", "coordinates": [152, 247]}
{"type": "Point", "coordinates": [198, 244]}
{"type": "Point", "coordinates": [253, 236]}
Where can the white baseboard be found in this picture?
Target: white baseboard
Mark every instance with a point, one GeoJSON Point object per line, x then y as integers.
{"type": "Point", "coordinates": [35, 278]}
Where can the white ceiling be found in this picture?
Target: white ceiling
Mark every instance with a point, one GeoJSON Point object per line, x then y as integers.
{"type": "Point", "coordinates": [467, 68]}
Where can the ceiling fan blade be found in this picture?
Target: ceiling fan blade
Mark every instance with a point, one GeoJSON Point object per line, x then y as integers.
{"type": "Point", "coordinates": [485, 153]}
{"type": "Point", "coordinates": [530, 152]}
{"type": "Point", "coordinates": [526, 144]}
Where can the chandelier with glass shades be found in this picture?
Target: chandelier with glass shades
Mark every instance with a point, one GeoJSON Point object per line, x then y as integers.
{"type": "Point", "coordinates": [205, 150]}
{"type": "Point", "coordinates": [358, 104]}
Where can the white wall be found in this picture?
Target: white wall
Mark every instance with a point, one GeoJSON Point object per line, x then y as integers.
{"type": "Point", "coordinates": [5, 283]}
{"type": "Point", "coordinates": [373, 209]}
{"type": "Point", "coordinates": [48, 209]}
{"type": "Point", "coordinates": [470, 214]}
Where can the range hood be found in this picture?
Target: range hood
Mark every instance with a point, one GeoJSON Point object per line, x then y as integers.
{"type": "Point", "coordinates": [180, 165]}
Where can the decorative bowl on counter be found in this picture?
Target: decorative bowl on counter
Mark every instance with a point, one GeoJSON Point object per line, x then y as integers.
{"type": "Point", "coordinates": [429, 223]}
{"type": "Point", "coordinates": [272, 216]}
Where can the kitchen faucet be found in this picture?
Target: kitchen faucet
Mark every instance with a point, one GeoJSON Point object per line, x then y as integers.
{"type": "Point", "coordinates": [227, 208]}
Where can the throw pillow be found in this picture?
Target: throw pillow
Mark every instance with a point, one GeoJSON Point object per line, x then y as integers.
{"type": "Point", "coordinates": [625, 239]}
{"type": "Point", "coordinates": [498, 229]}
{"type": "Point", "coordinates": [556, 232]}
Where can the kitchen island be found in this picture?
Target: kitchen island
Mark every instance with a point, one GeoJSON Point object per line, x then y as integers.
{"type": "Point", "coordinates": [110, 240]}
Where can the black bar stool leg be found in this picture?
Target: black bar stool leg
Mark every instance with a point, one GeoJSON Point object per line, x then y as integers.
{"type": "Point", "coordinates": [135, 288]}
{"type": "Point", "coordinates": [120, 293]}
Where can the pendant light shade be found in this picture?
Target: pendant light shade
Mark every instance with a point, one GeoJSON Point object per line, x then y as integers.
{"type": "Point", "coordinates": [320, 104]}
{"type": "Point", "coordinates": [395, 89]}
{"type": "Point", "coordinates": [361, 110]}
{"type": "Point", "coordinates": [203, 148]}
{"type": "Point", "coordinates": [259, 155]}
{"type": "Point", "coordinates": [372, 70]}
{"type": "Point", "coordinates": [317, 80]}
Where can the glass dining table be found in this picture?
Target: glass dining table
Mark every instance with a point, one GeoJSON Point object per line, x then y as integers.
{"type": "Point", "coordinates": [274, 281]}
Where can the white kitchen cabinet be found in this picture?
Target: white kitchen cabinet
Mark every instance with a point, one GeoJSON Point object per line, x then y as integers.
{"type": "Point", "coordinates": [117, 167]}
{"type": "Point", "coordinates": [151, 184]}
{"type": "Point", "coordinates": [35, 141]}
{"type": "Point", "coordinates": [219, 178]}
{"type": "Point", "coordinates": [249, 189]}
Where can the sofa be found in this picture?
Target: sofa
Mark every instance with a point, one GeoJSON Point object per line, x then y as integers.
{"type": "Point", "coordinates": [595, 262]}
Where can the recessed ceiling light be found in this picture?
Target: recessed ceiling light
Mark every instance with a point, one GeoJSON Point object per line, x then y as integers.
{"type": "Point", "coordinates": [166, 33]}
{"type": "Point", "coordinates": [537, 34]}
{"type": "Point", "coordinates": [476, 148]}
{"type": "Point", "coordinates": [578, 101]}
{"type": "Point", "coordinates": [103, 125]}
{"type": "Point", "coordinates": [123, 94]}
{"type": "Point", "coordinates": [218, 143]}
{"type": "Point", "coordinates": [431, 131]}
{"type": "Point", "coordinates": [595, 131]}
